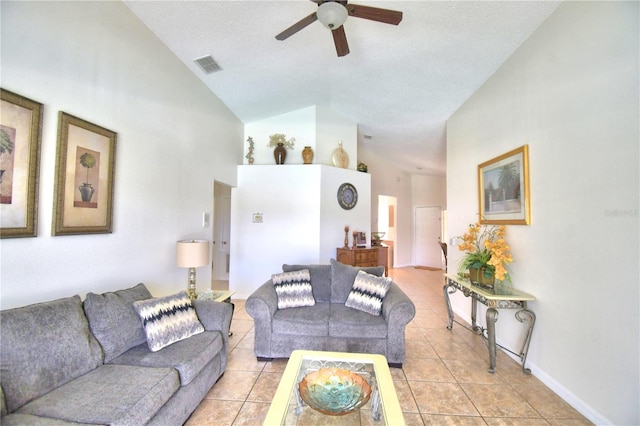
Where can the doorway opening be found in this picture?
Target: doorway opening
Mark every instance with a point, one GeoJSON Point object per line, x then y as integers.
{"type": "Point", "coordinates": [427, 238]}
{"type": "Point", "coordinates": [387, 219]}
{"type": "Point", "coordinates": [221, 236]}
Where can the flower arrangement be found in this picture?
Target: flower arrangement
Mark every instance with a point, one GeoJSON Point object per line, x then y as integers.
{"type": "Point", "coordinates": [280, 138]}
{"type": "Point", "coordinates": [486, 247]}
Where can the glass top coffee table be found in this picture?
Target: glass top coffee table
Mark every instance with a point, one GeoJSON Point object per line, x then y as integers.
{"type": "Point", "coordinates": [382, 408]}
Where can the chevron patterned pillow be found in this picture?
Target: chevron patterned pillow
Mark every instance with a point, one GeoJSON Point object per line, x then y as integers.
{"type": "Point", "coordinates": [293, 289]}
{"type": "Point", "coordinates": [367, 293]}
{"type": "Point", "coordinates": [167, 320]}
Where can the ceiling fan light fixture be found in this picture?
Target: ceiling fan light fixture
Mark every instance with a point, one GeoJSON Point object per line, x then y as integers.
{"type": "Point", "coordinates": [332, 15]}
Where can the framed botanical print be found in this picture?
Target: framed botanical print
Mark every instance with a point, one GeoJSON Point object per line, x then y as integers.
{"type": "Point", "coordinates": [503, 189]}
{"type": "Point", "coordinates": [85, 168]}
{"type": "Point", "coordinates": [20, 138]}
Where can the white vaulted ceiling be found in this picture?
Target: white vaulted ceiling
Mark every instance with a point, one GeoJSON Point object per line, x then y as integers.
{"type": "Point", "coordinates": [399, 83]}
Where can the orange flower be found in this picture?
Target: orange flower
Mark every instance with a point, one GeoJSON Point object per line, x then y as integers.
{"type": "Point", "coordinates": [486, 247]}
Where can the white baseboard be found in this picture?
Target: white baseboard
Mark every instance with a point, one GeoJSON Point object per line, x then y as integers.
{"type": "Point", "coordinates": [570, 398]}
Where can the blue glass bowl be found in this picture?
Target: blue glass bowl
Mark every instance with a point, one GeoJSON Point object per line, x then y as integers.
{"type": "Point", "coordinates": [334, 391]}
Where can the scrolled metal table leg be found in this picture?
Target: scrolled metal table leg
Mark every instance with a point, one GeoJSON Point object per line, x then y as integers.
{"type": "Point", "coordinates": [474, 313]}
{"type": "Point", "coordinates": [492, 317]}
{"type": "Point", "coordinates": [448, 301]}
{"type": "Point", "coordinates": [529, 316]}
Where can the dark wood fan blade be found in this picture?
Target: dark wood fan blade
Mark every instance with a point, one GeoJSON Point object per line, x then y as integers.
{"type": "Point", "coordinates": [340, 40]}
{"type": "Point", "coordinates": [375, 14]}
{"type": "Point", "coordinates": [297, 26]}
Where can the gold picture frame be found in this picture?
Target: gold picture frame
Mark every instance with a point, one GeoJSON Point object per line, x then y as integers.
{"type": "Point", "coordinates": [503, 189]}
{"type": "Point", "coordinates": [21, 136]}
{"type": "Point", "coordinates": [85, 169]}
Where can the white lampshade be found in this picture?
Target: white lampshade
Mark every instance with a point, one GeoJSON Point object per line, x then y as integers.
{"type": "Point", "coordinates": [192, 253]}
{"type": "Point", "coordinates": [332, 14]}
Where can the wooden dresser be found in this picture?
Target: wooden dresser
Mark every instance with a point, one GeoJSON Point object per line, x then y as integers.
{"type": "Point", "coordinates": [374, 256]}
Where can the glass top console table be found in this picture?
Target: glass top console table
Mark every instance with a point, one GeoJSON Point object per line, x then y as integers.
{"type": "Point", "coordinates": [501, 296]}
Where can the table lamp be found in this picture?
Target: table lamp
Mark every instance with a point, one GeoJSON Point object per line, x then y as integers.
{"type": "Point", "coordinates": [192, 254]}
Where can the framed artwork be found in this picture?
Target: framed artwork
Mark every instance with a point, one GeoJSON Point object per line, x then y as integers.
{"type": "Point", "coordinates": [361, 239]}
{"type": "Point", "coordinates": [85, 168]}
{"type": "Point", "coordinates": [503, 189]}
{"type": "Point", "coordinates": [20, 138]}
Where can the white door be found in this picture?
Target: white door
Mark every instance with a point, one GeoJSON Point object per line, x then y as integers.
{"type": "Point", "coordinates": [221, 243]}
{"type": "Point", "coordinates": [427, 237]}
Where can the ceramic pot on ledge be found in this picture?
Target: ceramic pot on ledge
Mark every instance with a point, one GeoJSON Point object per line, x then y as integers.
{"type": "Point", "coordinates": [307, 155]}
{"type": "Point", "coordinates": [280, 153]}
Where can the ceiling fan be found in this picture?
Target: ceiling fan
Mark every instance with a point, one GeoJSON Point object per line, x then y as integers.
{"type": "Point", "coordinates": [333, 13]}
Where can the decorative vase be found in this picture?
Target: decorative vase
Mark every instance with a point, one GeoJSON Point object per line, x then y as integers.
{"type": "Point", "coordinates": [280, 153]}
{"type": "Point", "coordinates": [86, 191]}
{"type": "Point", "coordinates": [477, 276]}
{"type": "Point", "coordinates": [307, 155]}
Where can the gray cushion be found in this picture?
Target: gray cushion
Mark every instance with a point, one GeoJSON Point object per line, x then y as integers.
{"type": "Point", "coordinates": [109, 395]}
{"type": "Point", "coordinates": [307, 321]}
{"type": "Point", "coordinates": [42, 347]}
{"type": "Point", "coordinates": [168, 319]}
{"type": "Point", "coordinates": [188, 356]}
{"type": "Point", "coordinates": [320, 279]}
{"type": "Point", "coordinates": [352, 323]}
{"type": "Point", "coordinates": [31, 420]}
{"type": "Point", "coordinates": [113, 320]}
{"type": "Point", "coordinates": [293, 289]}
{"type": "Point", "coordinates": [367, 293]}
{"type": "Point", "coordinates": [343, 276]}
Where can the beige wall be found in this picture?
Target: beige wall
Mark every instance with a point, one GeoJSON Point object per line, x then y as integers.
{"type": "Point", "coordinates": [571, 93]}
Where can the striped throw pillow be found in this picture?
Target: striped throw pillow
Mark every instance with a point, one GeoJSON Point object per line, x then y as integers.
{"type": "Point", "coordinates": [293, 289]}
{"type": "Point", "coordinates": [367, 293]}
{"type": "Point", "coordinates": [167, 320]}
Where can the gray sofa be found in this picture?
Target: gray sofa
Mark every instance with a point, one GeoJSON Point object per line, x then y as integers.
{"type": "Point", "coordinates": [67, 362]}
{"type": "Point", "coordinates": [329, 325]}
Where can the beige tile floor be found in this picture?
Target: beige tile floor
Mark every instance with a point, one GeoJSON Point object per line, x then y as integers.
{"type": "Point", "coordinates": [444, 380]}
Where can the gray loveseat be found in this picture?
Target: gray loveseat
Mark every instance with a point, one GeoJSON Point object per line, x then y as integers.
{"type": "Point", "coordinates": [329, 325]}
{"type": "Point", "coordinates": [67, 362]}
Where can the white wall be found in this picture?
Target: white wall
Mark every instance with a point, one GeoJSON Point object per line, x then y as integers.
{"type": "Point", "coordinates": [302, 221]}
{"type": "Point", "coordinates": [316, 126]}
{"type": "Point", "coordinates": [299, 124]}
{"type": "Point", "coordinates": [429, 190]}
{"type": "Point", "coordinates": [571, 93]}
{"type": "Point", "coordinates": [332, 129]}
{"type": "Point", "coordinates": [391, 181]}
{"type": "Point", "coordinates": [95, 60]}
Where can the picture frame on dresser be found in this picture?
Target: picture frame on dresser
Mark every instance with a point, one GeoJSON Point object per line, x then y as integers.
{"type": "Point", "coordinates": [503, 189]}
{"type": "Point", "coordinates": [84, 177]}
{"type": "Point", "coordinates": [21, 136]}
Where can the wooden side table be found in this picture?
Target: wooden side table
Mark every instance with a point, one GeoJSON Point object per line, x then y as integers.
{"type": "Point", "coordinates": [374, 256]}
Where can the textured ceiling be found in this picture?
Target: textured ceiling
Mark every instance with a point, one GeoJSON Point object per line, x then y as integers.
{"type": "Point", "coordinates": [399, 83]}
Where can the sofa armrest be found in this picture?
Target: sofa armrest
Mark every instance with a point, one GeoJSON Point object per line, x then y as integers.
{"type": "Point", "coordinates": [398, 310]}
{"type": "Point", "coordinates": [397, 306]}
{"type": "Point", "coordinates": [214, 316]}
{"type": "Point", "coordinates": [262, 304]}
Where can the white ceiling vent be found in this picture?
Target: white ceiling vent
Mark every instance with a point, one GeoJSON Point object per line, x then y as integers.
{"type": "Point", "coordinates": [207, 64]}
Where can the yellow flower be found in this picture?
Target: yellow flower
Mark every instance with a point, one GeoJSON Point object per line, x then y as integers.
{"type": "Point", "coordinates": [485, 246]}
